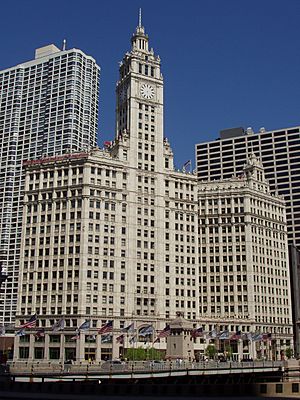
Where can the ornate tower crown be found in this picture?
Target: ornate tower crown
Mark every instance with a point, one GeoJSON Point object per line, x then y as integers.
{"type": "Point", "coordinates": [254, 169]}
{"type": "Point", "coordinates": [139, 40]}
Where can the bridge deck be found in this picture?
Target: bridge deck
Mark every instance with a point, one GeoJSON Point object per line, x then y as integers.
{"type": "Point", "coordinates": [138, 370]}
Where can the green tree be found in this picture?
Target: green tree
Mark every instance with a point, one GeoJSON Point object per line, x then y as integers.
{"type": "Point", "coordinates": [141, 354]}
{"type": "Point", "coordinates": [228, 351]}
{"type": "Point", "coordinates": [138, 354]}
{"type": "Point", "coordinates": [153, 354]}
{"type": "Point", "coordinates": [211, 351]}
{"type": "Point", "coordinates": [289, 352]}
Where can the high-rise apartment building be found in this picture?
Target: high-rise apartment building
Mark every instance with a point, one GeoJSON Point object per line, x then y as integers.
{"type": "Point", "coordinates": [119, 235]}
{"type": "Point", "coordinates": [48, 106]}
{"type": "Point", "coordinates": [279, 152]}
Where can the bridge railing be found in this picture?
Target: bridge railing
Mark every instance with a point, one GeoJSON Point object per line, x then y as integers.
{"type": "Point", "coordinates": [46, 368]}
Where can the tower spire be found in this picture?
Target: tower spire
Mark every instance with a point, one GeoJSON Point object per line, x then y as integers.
{"type": "Point", "coordinates": [139, 39]}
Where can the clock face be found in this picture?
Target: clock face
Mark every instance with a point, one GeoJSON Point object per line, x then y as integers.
{"type": "Point", "coordinates": [147, 91]}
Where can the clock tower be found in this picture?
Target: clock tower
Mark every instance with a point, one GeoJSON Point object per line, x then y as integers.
{"type": "Point", "coordinates": [139, 111]}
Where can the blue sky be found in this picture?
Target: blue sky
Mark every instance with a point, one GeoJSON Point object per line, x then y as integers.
{"type": "Point", "coordinates": [226, 63]}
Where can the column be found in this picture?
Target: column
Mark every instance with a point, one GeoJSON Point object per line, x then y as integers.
{"type": "Point", "coordinates": [252, 350]}
{"type": "Point", "coordinates": [240, 349]}
{"type": "Point", "coordinates": [31, 347]}
{"type": "Point", "coordinates": [98, 349]}
{"type": "Point", "coordinates": [80, 347]}
{"type": "Point", "coordinates": [46, 353]}
{"type": "Point", "coordinates": [62, 349]}
{"type": "Point", "coordinates": [114, 348]}
{"type": "Point", "coordinates": [16, 348]}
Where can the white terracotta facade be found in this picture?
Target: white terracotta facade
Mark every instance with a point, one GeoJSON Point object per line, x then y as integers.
{"type": "Point", "coordinates": [118, 234]}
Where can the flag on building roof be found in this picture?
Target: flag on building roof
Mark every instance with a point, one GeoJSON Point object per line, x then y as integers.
{"type": "Point", "coordinates": [187, 164]}
{"type": "Point", "coordinates": [85, 325]}
{"type": "Point", "coordinates": [40, 333]}
{"type": "Point", "coordinates": [21, 332]}
{"type": "Point", "coordinates": [120, 339]}
{"type": "Point", "coordinates": [107, 143]}
{"type": "Point", "coordinates": [31, 323]}
{"type": "Point", "coordinates": [164, 333]}
{"type": "Point", "coordinates": [224, 335]}
{"type": "Point", "coordinates": [76, 336]}
{"type": "Point", "coordinates": [146, 330]}
{"type": "Point", "coordinates": [236, 336]}
{"type": "Point", "coordinates": [108, 327]}
{"type": "Point", "coordinates": [2, 330]}
{"type": "Point", "coordinates": [197, 332]}
{"type": "Point", "coordinates": [129, 328]}
{"type": "Point", "coordinates": [59, 325]}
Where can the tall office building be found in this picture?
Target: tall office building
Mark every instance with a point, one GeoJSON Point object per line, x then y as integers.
{"type": "Point", "coordinates": [279, 153]}
{"type": "Point", "coordinates": [48, 106]}
{"type": "Point", "coordinates": [244, 249]}
{"type": "Point", "coordinates": [119, 235]}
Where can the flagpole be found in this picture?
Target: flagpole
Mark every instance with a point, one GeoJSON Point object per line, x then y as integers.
{"type": "Point", "coordinates": [63, 349]}
{"type": "Point", "coordinates": [89, 345]}
{"type": "Point", "coordinates": [3, 349]}
{"type": "Point", "coordinates": [112, 344]}
{"type": "Point", "coordinates": [133, 345]}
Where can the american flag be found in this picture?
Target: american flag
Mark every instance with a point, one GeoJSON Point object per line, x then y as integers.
{"type": "Point", "coordinates": [197, 332]}
{"type": "Point", "coordinates": [76, 336]}
{"type": "Point", "coordinates": [40, 333]}
{"type": "Point", "coordinates": [106, 328]}
{"type": "Point", "coordinates": [266, 337]}
{"type": "Point", "coordinates": [237, 335]}
{"type": "Point", "coordinates": [164, 333]}
{"type": "Point", "coordinates": [120, 339]}
{"type": "Point", "coordinates": [29, 324]}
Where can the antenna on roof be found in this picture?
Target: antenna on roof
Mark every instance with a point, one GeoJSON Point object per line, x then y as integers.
{"type": "Point", "coordinates": [64, 45]}
{"type": "Point", "coordinates": [140, 18]}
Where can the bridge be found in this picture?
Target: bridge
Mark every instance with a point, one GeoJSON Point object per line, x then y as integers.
{"type": "Point", "coordinates": [156, 379]}
{"type": "Point", "coordinates": [143, 370]}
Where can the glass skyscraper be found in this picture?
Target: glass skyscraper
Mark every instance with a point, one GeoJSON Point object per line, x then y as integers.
{"type": "Point", "coordinates": [48, 106]}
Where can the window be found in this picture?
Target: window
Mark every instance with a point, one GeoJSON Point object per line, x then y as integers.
{"type": "Point", "coordinates": [39, 353]}
{"type": "Point", "coordinates": [24, 352]}
{"type": "Point", "coordinates": [54, 353]}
